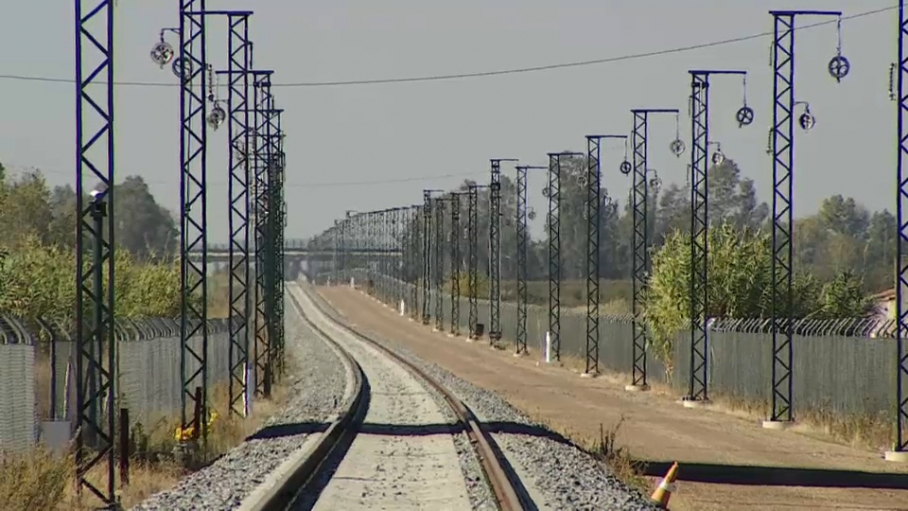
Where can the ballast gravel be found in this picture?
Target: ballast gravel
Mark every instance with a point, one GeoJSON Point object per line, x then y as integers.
{"type": "Point", "coordinates": [479, 492]}
{"type": "Point", "coordinates": [566, 477]}
{"type": "Point", "coordinates": [316, 393]}
{"type": "Point", "coordinates": [388, 471]}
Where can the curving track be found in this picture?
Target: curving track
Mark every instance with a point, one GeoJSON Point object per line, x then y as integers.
{"type": "Point", "coordinates": [405, 443]}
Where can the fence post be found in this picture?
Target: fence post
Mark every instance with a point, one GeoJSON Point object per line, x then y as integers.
{"type": "Point", "coordinates": [124, 446]}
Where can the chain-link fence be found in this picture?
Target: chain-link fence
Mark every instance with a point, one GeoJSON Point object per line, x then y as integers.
{"type": "Point", "coordinates": [37, 373]}
{"type": "Point", "coordinates": [841, 366]}
{"type": "Point", "coordinates": [18, 415]}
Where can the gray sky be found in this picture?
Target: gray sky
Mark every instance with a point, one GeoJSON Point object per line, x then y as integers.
{"type": "Point", "coordinates": [370, 133]}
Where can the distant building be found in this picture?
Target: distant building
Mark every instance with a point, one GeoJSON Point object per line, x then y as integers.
{"type": "Point", "coordinates": [884, 304]}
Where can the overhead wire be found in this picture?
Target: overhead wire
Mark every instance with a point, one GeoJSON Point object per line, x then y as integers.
{"type": "Point", "coordinates": [21, 170]}
{"type": "Point", "coordinates": [377, 81]}
{"type": "Point", "coordinates": [482, 74]}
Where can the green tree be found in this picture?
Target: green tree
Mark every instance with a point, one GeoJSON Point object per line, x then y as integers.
{"type": "Point", "coordinates": [62, 229]}
{"type": "Point", "coordinates": [879, 251]}
{"type": "Point", "coordinates": [142, 226]}
{"type": "Point", "coordinates": [733, 198]}
{"type": "Point", "coordinates": [673, 212]}
{"type": "Point", "coordinates": [24, 208]}
{"type": "Point", "coordinates": [844, 297]}
{"type": "Point", "coordinates": [844, 216]}
{"type": "Point", "coordinates": [37, 257]}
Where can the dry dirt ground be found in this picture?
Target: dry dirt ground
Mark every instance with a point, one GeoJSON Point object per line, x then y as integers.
{"type": "Point", "coordinates": [747, 466]}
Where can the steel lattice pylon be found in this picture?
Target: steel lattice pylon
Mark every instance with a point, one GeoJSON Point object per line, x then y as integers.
{"type": "Point", "coordinates": [380, 235]}
{"type": "Point", "coordinates": [342, 263]}
{"type": "Point", "coordinates": [495, 249]}
{"type": "Point", "coordinates": [427, 214]}
{"type": "Point", "coordinates": [639, 250]}
{"type": "Point", "coordinates": [238, 49]}
{"type": "Point", "coordinates": [383, 239]}
{"type": "Point", "coordinates": [393, 247]}
{"type": "Point", "coordinates": [336, 238]}
{"type": "Point", "coordinates": [553, 221]}
{"type": "Point", "coordinates": [260, 195]}
{"type": "Point", "coordinates": [473, 256]}
{"type": "Point", "coordinates": [369, 229]}
{"type": "Point", "coordinates": [94, 73]}
{"type": "Point", "coordinates": [522, 253]}
{"type": "Point", "coordinates": [439, 207]}
{"type": "Point", "coordinates": [269, 238]}
{"type": "Point", "coordinates": [782, 214]}
{"type": "Point", "coordinates": [640, 244]}
{"type": "Point", "coordinates": [495, 252]}
{"type": "Point", "coordinates": [276, 230]}
{"type": "Point", "coordinates": [901, 419]}
{"type": "Point", "coordinates": [372, 237]}
{"type": "Point", "coordinates": [384, 250]}
{"type": "Point", "coordinates": [193, 218]}
{"type": "Point", "coordinates": [456, 237]}
{"type": "Point", "coordinates": [521, 338]}
{"type": "Point", "coordinates": [593, 201]}
{"type": "Point", "coordinates": [593, 207]}
{"type": "Point", "coordinates": [782, 208]}
{"type": "Point", "coordinates": [394, 263]}
{"type": "Point", "coordinates": [554, 244]}
{"type": "Point", "coordinates": [699, 233]}
{"type": "Point", "coordinates": [697, 390]}
{"type": "Point", "coordinates": [414, 229]}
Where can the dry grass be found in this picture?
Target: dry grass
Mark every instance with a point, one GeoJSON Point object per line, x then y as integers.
{"type": "Point", "coordinates": [573, 292]}
{"type": "Point", "coordinates": [606, 449]}
{"type": "Point", "coordinates": [218, 296]}
{"type": "Point", "coordinates": [34, 481]}
{"type": "Point", "coordinates": [37, 480]}
{"type": "Point", "coordinates": [618, 459]}
{"type": "Point", "coordinates": [866, 432]}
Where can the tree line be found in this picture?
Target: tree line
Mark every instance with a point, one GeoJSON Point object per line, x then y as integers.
{"type": "Point", "coordinates": [843, 245]}
{"type": "Point", "coordinates": [37, 250]}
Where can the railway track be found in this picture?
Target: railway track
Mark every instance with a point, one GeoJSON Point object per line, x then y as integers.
{"type": "Point", "coordinates": [389, 447]}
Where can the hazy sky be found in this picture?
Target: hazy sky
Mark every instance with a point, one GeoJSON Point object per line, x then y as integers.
{"type": "Point", "coordinates": [414, 132]}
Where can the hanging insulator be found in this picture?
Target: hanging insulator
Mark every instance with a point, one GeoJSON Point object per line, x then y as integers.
{"type": "Point", "coordinates": [216, 117]}
{"type": "Point", "coordinates": [677, 147]}
{"type": "Point", "coordinates": [718, 158]}
{"type": "Point", "coordinates": [839, 67]}
{"type": "Point", "coordinates": [162, 53]}
{"type": "Point", "coordinates": [807, 120]}
{"type": "Point", "coordinates": [745, 116]}
{"type": "Point", "coordinates": [182, 68]}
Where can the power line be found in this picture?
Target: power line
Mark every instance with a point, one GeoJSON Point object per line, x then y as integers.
{"type": "Point", "coordinates": [483, 74]}
{"type": "Point", "coordinates": [328, 184]}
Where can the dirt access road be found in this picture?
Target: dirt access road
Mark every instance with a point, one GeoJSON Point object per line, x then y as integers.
{"type": "Point", "coordinates": [746, 466]}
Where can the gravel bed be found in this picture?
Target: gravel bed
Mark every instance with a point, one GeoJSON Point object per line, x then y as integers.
{"type": "Point", "coordinates": [317, 393]}
{"type": "Point", "coordinates": [567, 477]}
{"type": "Point", "coordinates": [481, 496]}
{"type": "Point", "coordinates": [386, 382]}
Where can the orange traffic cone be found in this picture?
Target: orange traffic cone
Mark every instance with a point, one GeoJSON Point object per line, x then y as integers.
{"type": "Point", "coordinates": [666, 487]}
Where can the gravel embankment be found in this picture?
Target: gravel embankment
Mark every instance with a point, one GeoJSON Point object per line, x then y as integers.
{"type": "Point", "coordinates": [317, 392]}
{"type": "Point", "coordinates": [563, 475]}
{"type": "Point", "coordinates": [400, 471]}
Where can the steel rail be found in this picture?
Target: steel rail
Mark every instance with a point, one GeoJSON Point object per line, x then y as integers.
{"type": "Point", "coordinates": [506, 496]}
